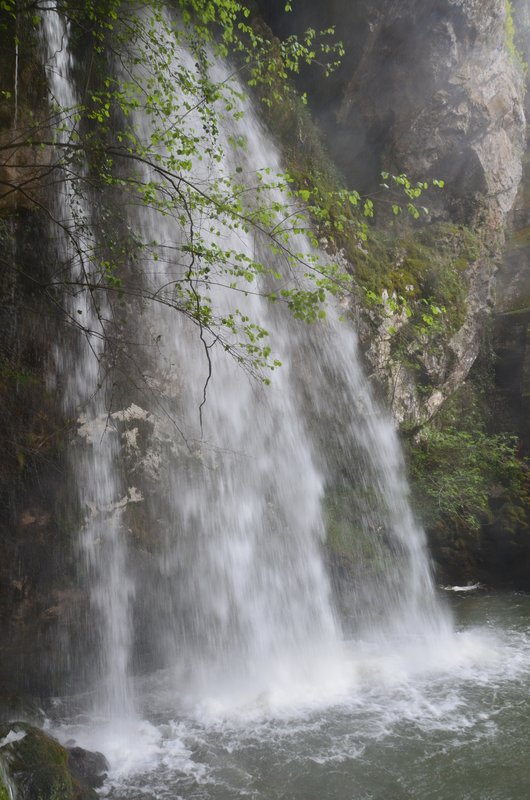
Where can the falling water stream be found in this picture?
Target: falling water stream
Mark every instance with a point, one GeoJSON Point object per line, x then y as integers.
{"type": "Point", "coordinates": [79, 370]}
{"type": "Point", "coordinates": [272, 680]}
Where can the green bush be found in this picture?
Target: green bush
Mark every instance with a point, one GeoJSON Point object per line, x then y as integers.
{"type": "Point", "coordinates": [464, 478]}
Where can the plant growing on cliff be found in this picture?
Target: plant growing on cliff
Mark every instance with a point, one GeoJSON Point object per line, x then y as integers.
{"type": "Point", "coordinates": [510, 34]}
{"type": "Point", "coordinates": [458, 473]}
{"type": "Point", "coordinates": [465, 476]}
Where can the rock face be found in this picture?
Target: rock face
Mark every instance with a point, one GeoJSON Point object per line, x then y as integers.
{"type": "Point", "coordinates": [434, 89]}
{"type": "Point", "coordinates": [511, 334]}
{"type": "Point", "coordinates": [418, 377]}
{"type": "Point", "coordinates": [439, 93]}
{"type": "Point", "coordinates": [89, 768]}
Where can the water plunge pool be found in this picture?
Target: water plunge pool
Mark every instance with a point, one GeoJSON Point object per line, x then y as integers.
{"type": "Point", "coordinates": [446, 720]}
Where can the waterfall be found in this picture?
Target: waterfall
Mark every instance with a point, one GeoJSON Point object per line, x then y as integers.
{"type": "Point", "coordinates": [81, 371]}
{"type": "Point", "coordinates": [242, 478]}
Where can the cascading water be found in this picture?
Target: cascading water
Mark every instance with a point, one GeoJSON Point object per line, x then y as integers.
{"type": "Point", "coordinates": [243, 605]}
{"type": "Point", "coordinates": [249, 518]}
{"type": "Point", "coordinates": [81, 371]}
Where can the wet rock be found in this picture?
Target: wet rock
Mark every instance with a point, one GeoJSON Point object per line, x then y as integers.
{"type": "Point", "coordinates": [88, 767]}
{"type": "Point", "coordinates": [34, 766]}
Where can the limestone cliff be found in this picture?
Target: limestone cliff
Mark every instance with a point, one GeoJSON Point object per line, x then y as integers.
{"type": "Point", "coordinates": [440, 92]}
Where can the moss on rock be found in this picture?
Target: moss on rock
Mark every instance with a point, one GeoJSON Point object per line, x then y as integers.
{"type": "Point", "coordinates": [37, 766]}
{"type": "Point", "coordinates": [4, 791]}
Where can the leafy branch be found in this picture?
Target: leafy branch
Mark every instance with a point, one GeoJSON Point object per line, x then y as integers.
{"type": "Point", "coordinates": [179, 166]}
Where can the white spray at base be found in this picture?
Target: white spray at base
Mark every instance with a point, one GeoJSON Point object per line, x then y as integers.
{"type": "Point", "coordinates": [242, 611]}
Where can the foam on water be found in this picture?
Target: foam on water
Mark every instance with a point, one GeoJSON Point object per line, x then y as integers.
{"type": "Point", "coordinates": [390, 704]}
{"type": "Point", "coordinates": [456, 693]}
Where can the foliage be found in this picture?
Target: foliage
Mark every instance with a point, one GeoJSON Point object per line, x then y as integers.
{"type": "Point", "coordinates": [418, 280]}
{"type": "Point", "coordinates": [465, 477]}
{"type": "Point", "coordinates": [456, 471]}
{"type": "Point", "coordinates": [180, 167]}
{"type": "Point", "coordinates": [184, 105]}
{"type": "Point", "coordinates": [342, 223]}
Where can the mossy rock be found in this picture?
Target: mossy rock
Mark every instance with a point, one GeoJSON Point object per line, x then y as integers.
{"type": "Point", "coordinates": [37, 766]}
{"type": "Point", "coordinates": [421, 263]}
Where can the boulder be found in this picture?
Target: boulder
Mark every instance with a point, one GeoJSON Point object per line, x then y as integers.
{"type": "Point", "coordinates": [90, 768]}
{"type": "Point", "coordinates": [34, 766]}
